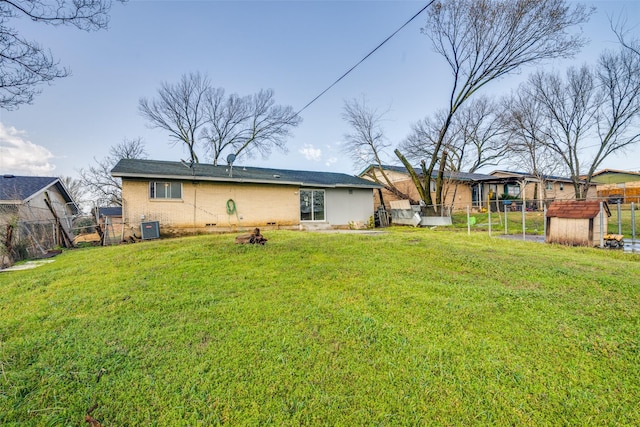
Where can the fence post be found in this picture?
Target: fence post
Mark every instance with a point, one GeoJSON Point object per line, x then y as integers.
{"type": "Point", "coordinates": [544, 220]}
{"type": "Point", "coordinates": [468, 221]}
{"type": "Point", "coordinates": [524, 236]}
{"type": "Point", "coordinates": [601, 225]}
{"type": "Point", "coordinates": [633, 223]}
{"type": "Point", "coordinates": [505, 219]}
{"type": "Point", "coordinates": [619, 219]}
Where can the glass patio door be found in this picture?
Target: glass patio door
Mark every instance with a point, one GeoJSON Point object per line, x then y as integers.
{"type": "Point", "coordinates": [312, 205]}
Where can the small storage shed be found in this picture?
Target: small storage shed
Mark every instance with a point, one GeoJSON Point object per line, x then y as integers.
{"type": "Point", "coordinates": [576, 222]}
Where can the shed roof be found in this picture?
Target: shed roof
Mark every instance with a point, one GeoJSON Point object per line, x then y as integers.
{"type": "Point", "coordinates": [576, 209]}
{"type": "Point", "coordinates": [156, 169]}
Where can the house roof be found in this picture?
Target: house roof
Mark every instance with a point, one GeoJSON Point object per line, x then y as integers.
{"type": "Point", "coordinates": [615, 172]}
{"type": "Point", "coordinates": [517, 174]}
{"type": "Point", "coordinates": [576, 209]}
{"type": "Point", "coordinates": [612, 176]}
{"type": "Point", "coordinates": [110, 211]}
{"type": "Point", "coordinates": [156, 169]}
{"type": "Point", "coordinates": [20, 189]}
{"type": "Point", "coordinates": [457, 176]}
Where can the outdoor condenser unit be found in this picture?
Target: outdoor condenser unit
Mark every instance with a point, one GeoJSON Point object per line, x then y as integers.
{"type": "Point", "coordinates": [150, 230]}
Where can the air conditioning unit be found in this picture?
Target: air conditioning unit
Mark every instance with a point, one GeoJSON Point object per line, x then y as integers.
{"type": "Point", "coordinates": [150, 230]}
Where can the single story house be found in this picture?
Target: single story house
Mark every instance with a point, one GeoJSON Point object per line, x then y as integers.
{"type": "Point", "coordinates": [528, 187]}
{"type": "Point", "coordinates": [36, 213]}
{"type": "Point", "coordinates": [615, 185]}
{"type": "Point", "coordinates": [474, 190]}
{"type": "Point", "coordinates": [460, 189]}
{"type": "Point", "coordinates": [198, 197]}
{"type": "Point", "coordinates": [576, 222]}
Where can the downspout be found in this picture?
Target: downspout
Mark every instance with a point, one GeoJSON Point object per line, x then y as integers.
{"type": "Point", "coordinates": [195, 202]}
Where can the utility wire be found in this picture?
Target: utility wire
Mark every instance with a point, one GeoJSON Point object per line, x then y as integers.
{"type": "Point", "coordinates": [365, 58]}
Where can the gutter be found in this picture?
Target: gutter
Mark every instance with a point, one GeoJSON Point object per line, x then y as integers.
{"type": "Point", "coordinates": [240, 180]}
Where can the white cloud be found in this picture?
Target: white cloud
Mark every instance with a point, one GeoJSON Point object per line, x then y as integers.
{"type": "Point", "coordinates": [20, 156]}
{"type": "Point", "coordinates": [311, 153]}
{"type": "Point", "coordinates": [331, 161]}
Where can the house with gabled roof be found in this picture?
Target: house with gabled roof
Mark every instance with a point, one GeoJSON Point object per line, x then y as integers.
{"type": "Point", "coordinates": [460, 189]}
{"type": "Point", "coordinates": [528, 187]}
{"type": "Point", "coordinates": [474, 190]}
{"type": "Point", "coordinates": [199, 197]}
{"type": "Point", "coordinates": [36, 213]}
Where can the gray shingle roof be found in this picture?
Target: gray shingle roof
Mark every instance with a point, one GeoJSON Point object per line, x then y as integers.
{"type": "Point", "coordinates": [20, 188]}
{"type": "Point", "coordinates": [458, 176]}
{"type": "Point", "coordinates": [156, 169]}
{"type": "Point", "coordinates": [528, 175]}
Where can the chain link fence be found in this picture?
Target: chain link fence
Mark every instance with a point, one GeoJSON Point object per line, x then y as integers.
{"type": "Point", "coordinates": [528, 220]}
{"type": "Point", "coordinates": [34, 237]}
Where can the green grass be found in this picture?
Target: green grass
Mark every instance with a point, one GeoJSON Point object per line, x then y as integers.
{"type": "Point", "coordinates": [626, 220]}
{"type": "Point", "coordinates": [410, 327]}
{"type": "Point", "coordinates": [534, 222]}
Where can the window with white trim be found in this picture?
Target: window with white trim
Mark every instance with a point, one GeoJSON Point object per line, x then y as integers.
{"type": "Point", "coordinates": [165, 190]}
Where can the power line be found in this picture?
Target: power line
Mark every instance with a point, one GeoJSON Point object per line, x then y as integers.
{"type": "Point", "coordinates": [365, 58]}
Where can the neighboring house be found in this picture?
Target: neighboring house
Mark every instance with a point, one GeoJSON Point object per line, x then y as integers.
{"type": "Point", "coordinates": [614, 185]}
{"type": "Point", "coordinates": [529, 187]}
{"type": "Point", "coordinates": [461, 190]}
{"type": "Point", "coordinates": [576, 222]}
{"type": "Point", "coordinates": [36, 212]}
{"type": "Point", "coordinates": [475, 190]}
{"type": "Point", "coordinates": [200, 197]}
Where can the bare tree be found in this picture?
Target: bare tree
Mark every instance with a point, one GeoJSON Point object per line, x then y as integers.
{"type": "Point", "coordinates": [421, 141]}
{"type": "Point", "coordinates": [474, 139]}
{"type": "Point", "coordinates": [179, 110]}
{"type": "Point", "coordinates": [366, 144]}
{"type": "Point", "coordinates": [245, 125]}
{"type": "Point", "coordinates": [523, 119]}
{"type": "Point", "coordinates": [622, 32]}
{"type": "Point", "coordinates": [75, 188]}
{"type": "Point", "coordinates": [97, 179]}
{"type": "Point", "coordinates": [570, 109]}
{"type": "Point", "coordinates": [193, 111]}
{"type": "Point", "coordinates": [590, 115]}
{"type": "Point", "coordinates": [24, 64]}
{"type": "Point", "coordinates": [483, 40]}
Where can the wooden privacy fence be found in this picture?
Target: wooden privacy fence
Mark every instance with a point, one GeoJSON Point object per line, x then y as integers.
{"type": "Point", "coordinates": [626, 193]}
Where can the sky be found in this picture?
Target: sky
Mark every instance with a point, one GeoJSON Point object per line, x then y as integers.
{"type": "Point", "coordinates": [297, 48]}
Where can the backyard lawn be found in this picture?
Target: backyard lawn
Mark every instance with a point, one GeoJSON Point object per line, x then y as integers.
{"type": "Point", "coordinates": [407, 327]}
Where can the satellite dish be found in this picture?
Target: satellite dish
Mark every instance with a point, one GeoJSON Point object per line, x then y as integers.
{"type": "Point", "coordinates": [231, 158]}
